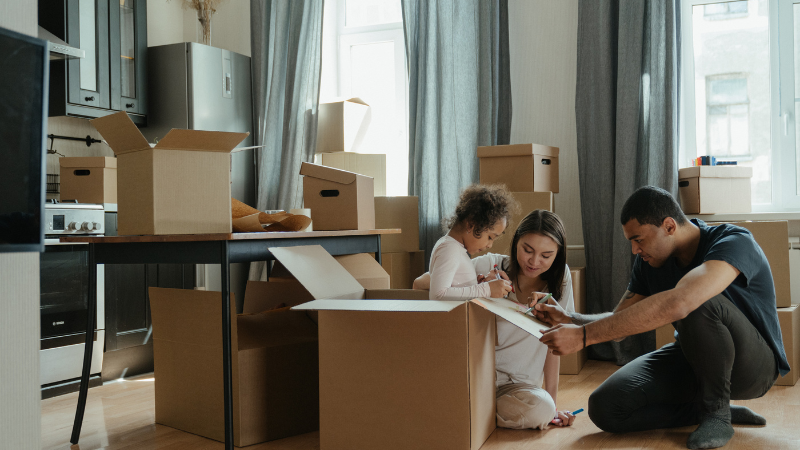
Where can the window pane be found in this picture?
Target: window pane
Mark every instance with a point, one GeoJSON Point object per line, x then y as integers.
{"type": "Point", "coordinates": [372, 68]}
{"type": "Point", "coordinates": [127, 48]}
{"type": "Point", "coordinates": [88, 65]}
{"type": "Point", "coordinates": [359, 13]}
{"type": "Point", "coordinates": [732, 69]}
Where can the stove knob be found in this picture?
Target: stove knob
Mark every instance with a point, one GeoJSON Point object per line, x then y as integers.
{"type": "Point", "coordinates": [85, 226]}
{"type": "Point", "coordinates": [73, 226]}
{"type": "Point", "coordinates": [95, 226]}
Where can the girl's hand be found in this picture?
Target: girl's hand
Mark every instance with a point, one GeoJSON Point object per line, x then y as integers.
{"type": "Point", "coordinates": [499, 288]}
{"type": "Point", "coordinates": [563, 419]}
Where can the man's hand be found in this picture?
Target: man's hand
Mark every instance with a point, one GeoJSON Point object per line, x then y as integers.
{"type": "Point", "coordinates": [563, 339]}
{"type": "Point", "coordinates": [551, 313]}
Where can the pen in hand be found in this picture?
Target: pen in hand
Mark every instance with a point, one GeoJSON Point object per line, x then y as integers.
{"type": "Point", "coordinates": [574, 413]}
{"type": "Point", "coordinates": [541, 300]}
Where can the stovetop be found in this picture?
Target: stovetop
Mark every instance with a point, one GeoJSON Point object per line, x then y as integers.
{"type": "Point", "coordinates": [69, 219]}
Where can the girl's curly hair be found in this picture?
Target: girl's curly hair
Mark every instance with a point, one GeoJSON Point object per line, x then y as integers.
{"type": "Point", "coordinates": [482, 206]}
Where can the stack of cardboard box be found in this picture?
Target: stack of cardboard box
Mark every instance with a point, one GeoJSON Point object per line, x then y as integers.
{"type": "Point", "coordinates": [773, 237]}
{"type": "Point", "coordinates": [400, 253]}
{"type": "Point", "coordinates": [341, 128]}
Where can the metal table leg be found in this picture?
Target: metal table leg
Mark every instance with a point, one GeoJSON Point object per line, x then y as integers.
{"type": "Point", "coordinates": [225, 283]}
{"type": "Point", "coordinates": [87, 352]}
{"type": "Point", "coordinates": [378, 253]}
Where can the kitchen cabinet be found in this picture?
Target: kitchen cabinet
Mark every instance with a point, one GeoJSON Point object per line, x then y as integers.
{"type": "Point", "coordinates": [111, 77]}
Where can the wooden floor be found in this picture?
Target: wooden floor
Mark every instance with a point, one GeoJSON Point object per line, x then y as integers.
{"type": "Point", "coordinates": [120, 415]}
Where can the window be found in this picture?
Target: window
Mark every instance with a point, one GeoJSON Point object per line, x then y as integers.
{"type": "Point", "coordinates": [738, 63]}
{"type": "Point", "coordinates": [364, 56]}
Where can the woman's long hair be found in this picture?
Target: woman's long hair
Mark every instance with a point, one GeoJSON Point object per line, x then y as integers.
{"type": "Point", "coordinates": [547, 224]}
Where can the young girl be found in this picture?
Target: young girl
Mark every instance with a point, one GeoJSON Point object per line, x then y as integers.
{"type": "Point", "coordinates": [537, 265]}
{"type": "Point", "coordinates": [481, 216]}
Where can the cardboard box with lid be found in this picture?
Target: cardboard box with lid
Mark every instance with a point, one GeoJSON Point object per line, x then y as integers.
{"type": "Point", "coordinates": [521, 167]}
{"type": "Point", "coordinates": [182, 185]}
{"type": "Point", "coordinates": [90, 179]}
{"type": "Point", "coordinates": [376, 357]}
{"type": "Point", "coordinates": [370, 165]}
{"type": "Point", "coordinates": [715, 189]}
{"type": "Point", "coordinates": [338, 199]}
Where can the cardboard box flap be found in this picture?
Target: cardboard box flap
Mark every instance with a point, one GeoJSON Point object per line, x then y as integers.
{"type": "Point", "coordinates": [715, 172]}
{"type": "Point", "coordinates": [365, 269]}
{"type": "Point", "coordinates": [511, 312]}
{"type": "Point", "coordinates": [380, 305]}
{"type": "Point", "coordinates": [317, 271]}
{"type": "Point", "coordinates": [328, 173]}
{"type": "Point", "coordinates": [88, 161]}
{"type": "Point", "coordinates": [203, 141]}
{"type": "Point", "coordinates": [517, 150]}
{"type": "Point", "coordinates": [120, 133]}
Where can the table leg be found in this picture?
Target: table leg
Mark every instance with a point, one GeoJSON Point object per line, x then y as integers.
{"type": "Point", "coordinates": [225, 275]}
{"type": "Point", "coordinates": [87, 352]}
{"type": "Point", "coordinates": [378, 253]}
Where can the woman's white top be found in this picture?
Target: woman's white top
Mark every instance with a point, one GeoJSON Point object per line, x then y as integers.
{"type": "Point", "coordinates": [519, 357]}
{"type": "Point", "coordinates": [453, 276]}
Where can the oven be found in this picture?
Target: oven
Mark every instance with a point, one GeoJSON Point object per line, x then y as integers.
{"type": "Point", "coordinates": [64, 298]}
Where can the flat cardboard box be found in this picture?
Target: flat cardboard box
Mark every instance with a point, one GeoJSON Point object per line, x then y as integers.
{"type": "Point", "coordinates": [370, 165]}
{"type": "Point", "coordinates": [402, 213]}
{"type": "Point", "coordinates": [528, 201]}
{"type": "Point", "coordinates": [715, 189]}
{"type": "Point", "coordinates": [521, 167]}
{"type": "Point", "coordinates": [91, 179]}
{"type": "Point", "coordinates": [403, 267]}
{"type": "Point", "coordinates": [399, 374]}
{"type": "Point", "coordinates": [180, 186]}
{"type": "Point", "coordinates": [573, 363]}
{"type": "Point", "coordinates": [789, 319]}
{"type": "Point", "coordinates": [275, 368]}
{"type": "Point", "coordinates": [342, 125]}
{"type": "Point", "coordinates": [338, 199]}
{"type": "Point", "coordinates": [773, 238]}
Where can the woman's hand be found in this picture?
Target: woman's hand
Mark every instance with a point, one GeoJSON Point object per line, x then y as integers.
{"type": "Point", "coordinates": [499, 288]}
{"type": "Point", "coordinates": [551, 312]}
{"type": "Point", "coordinates": [563, 419]}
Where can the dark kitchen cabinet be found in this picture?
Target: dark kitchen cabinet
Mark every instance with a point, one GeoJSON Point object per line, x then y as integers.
{"type": "Point", "coordinates": [111, 77]}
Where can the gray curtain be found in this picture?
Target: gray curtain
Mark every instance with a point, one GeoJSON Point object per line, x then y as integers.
{"type": "Point", "coordinates": [459, 99]}
{"type": "Point", "coordinates": [286, 47]}
{"type": "Point", "coordinates": [626, 109]}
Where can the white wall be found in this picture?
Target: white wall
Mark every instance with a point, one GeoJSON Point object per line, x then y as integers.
{"type": "Point", "coordinates": [20, 394]}
{"type": "Point", "coordinates": [169, 22]}
{"type": "Point", "coordinates": [543, 40]}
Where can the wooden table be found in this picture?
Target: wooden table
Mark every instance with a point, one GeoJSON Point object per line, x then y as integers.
{"type": "Point", "coordinates": [223, 249]}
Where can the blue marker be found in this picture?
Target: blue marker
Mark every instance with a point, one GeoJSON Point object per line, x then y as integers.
{"type": "Point", "coordinates": [574, 413]}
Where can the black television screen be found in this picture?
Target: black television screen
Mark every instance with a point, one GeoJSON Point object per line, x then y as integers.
{"type": "Point", "coordinates": [24, 71]}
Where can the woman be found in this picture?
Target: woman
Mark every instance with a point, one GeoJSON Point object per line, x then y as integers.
{"type": "Point", "coordinates": [537, 265]}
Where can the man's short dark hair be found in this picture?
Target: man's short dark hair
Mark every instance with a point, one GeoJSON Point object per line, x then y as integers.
{"type": "Point", "coordinates": [651, 205]}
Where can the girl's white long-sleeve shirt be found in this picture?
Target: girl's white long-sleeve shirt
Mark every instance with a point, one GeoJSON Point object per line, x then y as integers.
{"type": "Point", "coordinates": [452, 273]}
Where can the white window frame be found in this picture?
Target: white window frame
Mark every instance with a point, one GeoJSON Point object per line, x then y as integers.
{"type": "Point", "coordinates": [783, 156]}
{"type": "Point", "coordinates": [352, 35]}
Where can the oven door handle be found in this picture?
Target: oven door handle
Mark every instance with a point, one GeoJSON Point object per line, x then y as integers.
{"type": "Point", "coordinates": [57, 241]}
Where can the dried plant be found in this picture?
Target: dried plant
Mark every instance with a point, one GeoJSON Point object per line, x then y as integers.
{"type": "Point", "coordinates": [205, 9]}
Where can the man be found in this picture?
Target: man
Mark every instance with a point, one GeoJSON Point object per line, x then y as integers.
{"type": "Point", "coordinates": [715, 286]}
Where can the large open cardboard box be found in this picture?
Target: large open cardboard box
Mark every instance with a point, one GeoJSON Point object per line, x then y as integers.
{"type": "Point", "coordinates": [403, 267]}
{"type": "Point", "coordinates": [715, 189]}
{"type": "Point", "coordinates": [338, 199]}
{"type": "Point", "coordinates": [180, 186]}
{"type": "Point", "coordinates": [342, 125]}
{"type": "Point", "coordinates": [399, 374]}
{"type": "Point", "coordinates": [773, 238]}
{"type": "Point", "coordinates": [521, 167]}
{"type": "Point", "coordinates": [89, 179]}
{"type": "Point", "coordinates": [528, 201]}
{"type": "Point", "coordinates": [398, 212]}
{"type": "Point", "coordinates": [275, 367]}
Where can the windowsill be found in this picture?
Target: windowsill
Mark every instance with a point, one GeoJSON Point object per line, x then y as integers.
{"type": "Point", "coordinates": [730, 217]}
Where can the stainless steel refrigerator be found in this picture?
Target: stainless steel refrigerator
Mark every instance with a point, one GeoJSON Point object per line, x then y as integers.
{"type": "Point", "coordinates": [198, 87]}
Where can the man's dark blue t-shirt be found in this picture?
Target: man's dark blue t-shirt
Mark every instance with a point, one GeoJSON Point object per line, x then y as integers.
{"type": "Point", "coordinates": [753, 291]}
